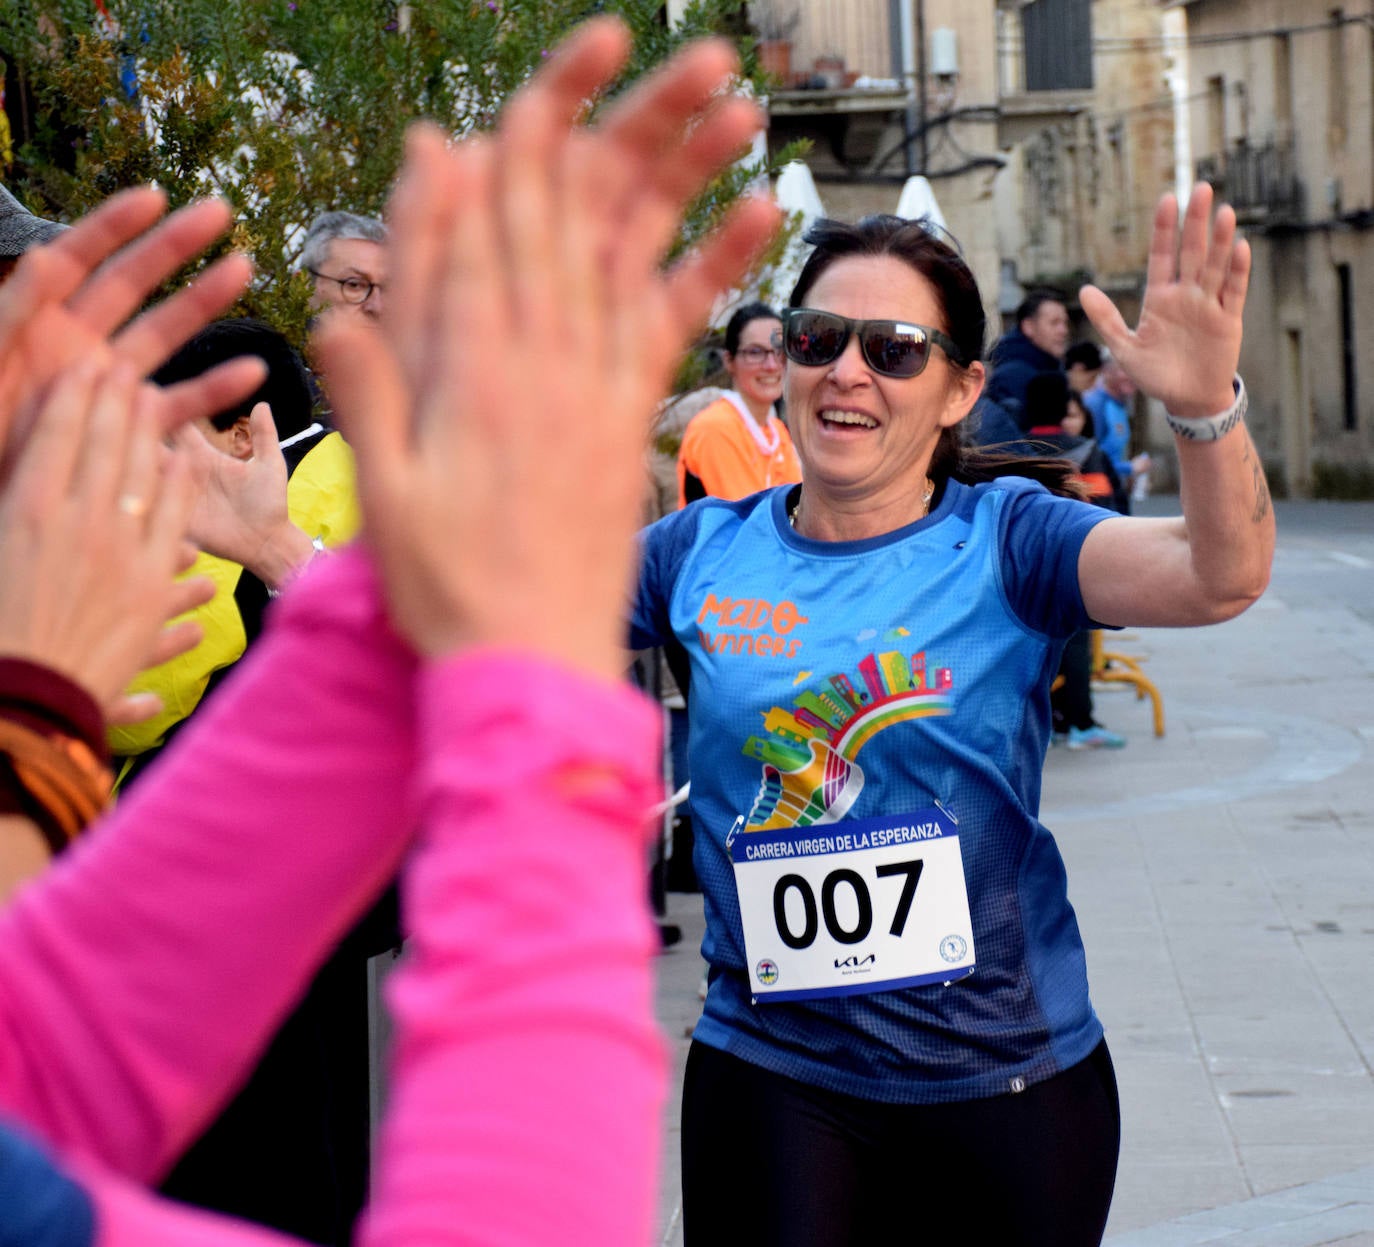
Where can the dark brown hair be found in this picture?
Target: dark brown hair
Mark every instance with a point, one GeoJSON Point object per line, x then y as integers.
{"type": "Point", "coordinates": [286, 388]}
{"type": "Point", "coordinates": [742, 319]}
{"type": "Point", "coordinates": [917, 245]}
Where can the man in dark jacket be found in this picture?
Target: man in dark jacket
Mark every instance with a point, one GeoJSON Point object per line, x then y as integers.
{"type": "Point", "coordinates": [1034, 347]}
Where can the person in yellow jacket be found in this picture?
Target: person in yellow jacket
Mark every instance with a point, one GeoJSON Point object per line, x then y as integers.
{"type": "Point", "coordinates": [738, 445]}
{"type": "Point", "coordinates": [291, 1150]}
{"type": "Point", "coordinates": [321, 503]}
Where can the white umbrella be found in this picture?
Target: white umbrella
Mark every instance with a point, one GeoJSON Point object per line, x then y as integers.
{"type": "Point", "coordinates": [918, 200]}
{"type": "Point", "coordinates": [796, 193]}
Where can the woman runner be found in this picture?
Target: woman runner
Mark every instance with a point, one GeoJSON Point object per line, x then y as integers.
{"type": "Point", "coordinates": [897, 1043]}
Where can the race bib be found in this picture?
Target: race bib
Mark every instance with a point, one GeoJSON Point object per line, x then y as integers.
{"type": "Point", "coordinates": [860, 906]}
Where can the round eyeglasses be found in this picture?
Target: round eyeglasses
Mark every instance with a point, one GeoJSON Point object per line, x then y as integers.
{"type": "Point", "coordinates": [353, 289]}
{"type": "Point", "coordinates": [756, 355]}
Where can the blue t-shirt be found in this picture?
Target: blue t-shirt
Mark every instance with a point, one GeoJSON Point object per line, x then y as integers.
{"type": "Point", "coordinates": [940, 642]}
{"type": "Point", "coordinates": [40, 1206]}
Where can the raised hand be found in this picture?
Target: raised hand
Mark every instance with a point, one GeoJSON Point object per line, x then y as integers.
{"type": "Point", "coordinates": [91, 524]}
{"type": "Point", "coordinates": [1186, 347]}
{"type": "Point", "coordinates": [240, 510]}
{"type": "Point", "coordinates": [69, 302]}
{"type": "Point", "coordinates": [501, 415]}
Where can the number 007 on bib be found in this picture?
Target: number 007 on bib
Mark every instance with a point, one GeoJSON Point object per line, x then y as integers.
{"type": "Point", "coordinates": [862, 906]}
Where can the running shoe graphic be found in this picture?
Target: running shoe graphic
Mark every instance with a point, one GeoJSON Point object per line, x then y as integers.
{"type": "Point", "coordinates": [809, 751]}
{"type": "Point", "coordinates": [819, 791]}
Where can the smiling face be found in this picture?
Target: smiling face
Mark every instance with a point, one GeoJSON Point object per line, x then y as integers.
{"type": "Point", "coordinates": [866, 440]}
{"type": "Point", "coordinates": [758, 381]}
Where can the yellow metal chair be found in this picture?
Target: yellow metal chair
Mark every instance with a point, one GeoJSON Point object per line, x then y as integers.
{"type": "Point", "coordinates": [1112, 667]}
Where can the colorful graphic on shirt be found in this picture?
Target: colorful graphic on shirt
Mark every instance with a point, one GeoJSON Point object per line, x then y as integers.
{"type": "Point", "coordinates": [811, 774]}
{"type": "Point", "coordinates": [728, 626]}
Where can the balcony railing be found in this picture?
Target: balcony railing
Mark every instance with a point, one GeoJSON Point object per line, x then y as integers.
{"type": "Point", "coordinates": [1259, 182]}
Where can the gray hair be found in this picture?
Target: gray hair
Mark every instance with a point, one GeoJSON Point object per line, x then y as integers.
{"type": "Point", "coordinates": [328, 226]}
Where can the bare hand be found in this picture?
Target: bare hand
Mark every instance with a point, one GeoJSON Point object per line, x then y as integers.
{"type": "Point", "coordinates": [1186, 347]}
{"type": "Point", "coordinates": [90, 536]}
{"type": "Point", "coordinates": [178, 636]}
{"type": "Point", "coordinates": [240, 510]}
{"type": "Point", "coordinates": [500, 416]}
{"type": "Point", "coordinates": [68, 302]}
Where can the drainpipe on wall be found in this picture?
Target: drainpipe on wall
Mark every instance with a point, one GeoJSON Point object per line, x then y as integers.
{"type": "Point", "coordinates": [1176, 76]}
{"type": "Point", "coordinates": [910, 13]}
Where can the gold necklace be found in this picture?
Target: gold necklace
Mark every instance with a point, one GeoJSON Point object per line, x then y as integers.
{"type": "Point", "coordinates": [925, 505]}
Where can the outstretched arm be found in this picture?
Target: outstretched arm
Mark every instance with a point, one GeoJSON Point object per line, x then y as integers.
{"type": "Point", "coordinates": [140, 976]}
{"type": "Point", "coordinates": [90, 538]}
{"type": "Point", "coordinates": [1211, 564]}
{"type": "Point", "coordinates": [137, 979]}
{"type": "Point", "coordinates": [500, 428]}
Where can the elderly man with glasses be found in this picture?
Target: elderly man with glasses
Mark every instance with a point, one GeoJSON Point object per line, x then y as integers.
{"type": "Point", "coordinates": [346, 256]}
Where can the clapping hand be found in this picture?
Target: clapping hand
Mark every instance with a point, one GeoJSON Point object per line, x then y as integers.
{"type": "Point", "coordinates": [69, 302]}
{"type": "Point", "coordinates": [91, 523]}
{"type": "Point", "coordinates": [500, 417]}
{"type": "Point", "coordinates": [240, 511]}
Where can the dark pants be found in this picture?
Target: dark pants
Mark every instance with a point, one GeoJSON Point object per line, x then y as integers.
{"type": "Point", "coordinates": [1072, 703]}
{"type": "Point", "coordinates": [771, 1162]}
{"type": "Point", "coordinates": [291, 1149]}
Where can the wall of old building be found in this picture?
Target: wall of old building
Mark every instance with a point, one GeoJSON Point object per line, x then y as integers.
{"type": "Point", "coordinates": [967, 197]}
{"type": "Point", "coordinates": [849, 30]}
{"type": "Point", "coordinates": [1284, 122]}
{"type": "Point", "coordinates": [1087, 167]}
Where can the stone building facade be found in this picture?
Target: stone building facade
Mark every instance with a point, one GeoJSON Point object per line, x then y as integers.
{"type": "Point", "coordinates": [1045, 126]}
{"type": "Point", "coordinates": [1281, 120]}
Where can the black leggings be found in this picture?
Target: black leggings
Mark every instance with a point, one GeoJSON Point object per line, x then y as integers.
{"type": "Point", "coordinates": [771, 1162]}
{"type": "Point", "coordinates": [1072, 705]}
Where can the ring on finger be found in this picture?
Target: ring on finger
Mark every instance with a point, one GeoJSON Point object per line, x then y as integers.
{"type": "Point", "coordinates": [132, 505]}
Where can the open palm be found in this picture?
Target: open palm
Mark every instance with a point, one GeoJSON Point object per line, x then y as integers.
{"type": "Point", "coordinates": [70, 302]}
{"type": "Point", "coordinates": [501, 414]}
{"type": "Point", "coordinates": [1185, 349]}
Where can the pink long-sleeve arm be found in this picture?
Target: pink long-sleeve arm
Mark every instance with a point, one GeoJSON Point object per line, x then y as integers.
{"type": "Point", "coordinates": [140, 977]}
{"type": "Point", "coordinates": [524, 1008]}
{"type": "Point", "coordinates": [528, 1075]}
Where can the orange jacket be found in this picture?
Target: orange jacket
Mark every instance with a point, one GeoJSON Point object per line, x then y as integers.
{"type": "Point", "coordinates": [727, 455]}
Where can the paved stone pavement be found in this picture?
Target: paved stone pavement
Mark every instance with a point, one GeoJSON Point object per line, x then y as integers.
{"type": "Point", "coordinates": [1224, 880]}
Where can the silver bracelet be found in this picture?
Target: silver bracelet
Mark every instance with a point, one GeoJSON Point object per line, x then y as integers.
{"type": "Point", "coordinates": [1212, 428]}
{"type": "Point", "coordinates": [317, 547]}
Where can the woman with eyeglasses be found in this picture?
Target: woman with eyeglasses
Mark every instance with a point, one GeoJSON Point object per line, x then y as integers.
{"type": "Point", "coordinates": [737, 445]}
{"type": "Point", "coordinates": [897, 1041]}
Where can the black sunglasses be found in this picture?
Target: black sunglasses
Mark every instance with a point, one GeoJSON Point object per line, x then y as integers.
{"type": "Point", "coordinates": [893, 348]}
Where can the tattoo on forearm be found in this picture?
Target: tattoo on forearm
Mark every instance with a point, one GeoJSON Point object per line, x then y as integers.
{"type": "Point", "coordinates": [1262, 503]}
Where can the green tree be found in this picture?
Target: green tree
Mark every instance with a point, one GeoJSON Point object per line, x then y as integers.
{"type": "Point", "coordinates": [285, 108]}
